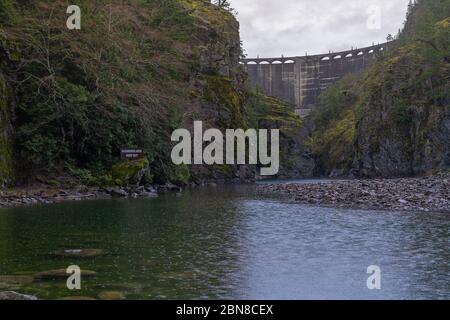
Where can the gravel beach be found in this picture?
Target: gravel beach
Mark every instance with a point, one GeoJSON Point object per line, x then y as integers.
{"type": "Point", "coordinates": [426, 194]}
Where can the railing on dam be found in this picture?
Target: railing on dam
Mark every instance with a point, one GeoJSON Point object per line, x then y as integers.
{"type": "Point", "coordinates": [300, 80]}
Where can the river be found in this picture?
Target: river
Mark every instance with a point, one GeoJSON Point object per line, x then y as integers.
{"type": "Point", "coordinates": [229, 242]}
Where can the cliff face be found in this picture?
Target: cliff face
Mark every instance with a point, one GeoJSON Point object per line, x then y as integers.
{"type": "Point", "coordinates": [404, 127]}
{"type": "Point", "coordinates": [394, 119]}
{"type": "Point", "coordinates": [218, 94]}
{"type": "Point", "coordinates": [135, 71]}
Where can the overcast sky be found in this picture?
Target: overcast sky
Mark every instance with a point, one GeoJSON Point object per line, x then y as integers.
{"type": "Point", "coordinates": [270, 28]}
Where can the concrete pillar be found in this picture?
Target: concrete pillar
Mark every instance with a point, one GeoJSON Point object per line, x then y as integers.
{"type": "Point", "coordinates": [298, 82]}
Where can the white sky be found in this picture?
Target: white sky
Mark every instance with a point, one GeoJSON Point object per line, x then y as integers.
{"type": "Point", "coordinates": [270, 28]}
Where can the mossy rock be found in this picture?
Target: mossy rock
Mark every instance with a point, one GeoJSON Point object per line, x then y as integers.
{"type": "Point", "coordinates": [221, 91]}
{"type": "Point", "coordinates": [180, 175]}
{"type": "Point", "coordinates": [130, 173]}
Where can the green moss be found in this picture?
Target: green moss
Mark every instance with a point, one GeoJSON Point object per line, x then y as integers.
{"type": "Point", "coordinates": [269, 112]}
{"type": "Point", "coordinates": [129, 172]}
{"type": "Point", "coordinates": [334, 145]}
{"type": "Point", "coordinates": [221, 91]}
{"type": "Point", "coordinates": [180, 175]}
{"type": "Point", "coordinates": [214, 15]}
{"type": "Point", "coordinates": [7, 11]}
{"type": "Point", "coordinates": [266, 112]}
{"type": "Point", "coordinates": [86, 177]}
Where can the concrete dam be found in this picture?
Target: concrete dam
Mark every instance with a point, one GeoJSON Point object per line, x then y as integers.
{"type": "Point", "coordinates": [300, 80]}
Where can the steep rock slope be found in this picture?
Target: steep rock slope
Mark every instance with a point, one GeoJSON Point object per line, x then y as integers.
{"type": "Point", "coordinates": [394, 119]}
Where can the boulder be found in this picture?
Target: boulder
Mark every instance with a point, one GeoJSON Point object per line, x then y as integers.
{"type": "Point", "coordinates": [111, 295]}
{"type": "Point", "coordinates": [150, 188]}
{"type": "Point", "coordinates": [130, 173]}
{"type": "Point", "coordinates": [146, 194]}
{"type": "Point", "coordinates": [117, 192]}
{"type": "Point", "coordinates": [169, 187]}
{"type": "Point", "coordinates": [11, 295]}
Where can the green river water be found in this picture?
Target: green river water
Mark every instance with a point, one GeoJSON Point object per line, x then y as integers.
{"type": "Point", "coordinates": [228, 242]}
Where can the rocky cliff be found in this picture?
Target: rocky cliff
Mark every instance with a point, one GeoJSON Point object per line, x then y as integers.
{"type": "Point", "coordinates": [394, 119]}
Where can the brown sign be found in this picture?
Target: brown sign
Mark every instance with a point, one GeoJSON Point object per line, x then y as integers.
{"type": "Point", "coordinates": [131, 153]}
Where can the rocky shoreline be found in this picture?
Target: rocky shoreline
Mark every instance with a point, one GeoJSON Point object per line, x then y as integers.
{"type": "Point", "coordinates": [44, 195]}
{"type": "Point", "coordinates": [424, 194]}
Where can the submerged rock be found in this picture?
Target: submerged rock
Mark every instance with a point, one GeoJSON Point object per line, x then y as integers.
{"type": "Point", "coordinates": [77, 253]}
{"type": "Point", "coordinates": [77, 298]}
{"type": "Point", "coordinates": [111, 295]}
{"type": "Point", "coordinates": [11, 295]}
{"type": "Point", "coordinates": [118, 192]}
{"type": "Point", "coordinates": [145, 194]}
{"type": "Point", "coordinates": [61, 274]}
{"type": "Point", "coordinates": [14, 281]}
{"type": "Point", "coordinates": [169, 187]}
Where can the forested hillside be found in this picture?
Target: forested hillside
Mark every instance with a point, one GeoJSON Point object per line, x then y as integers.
{"type": "Point", "coordinates": [137, 70]}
